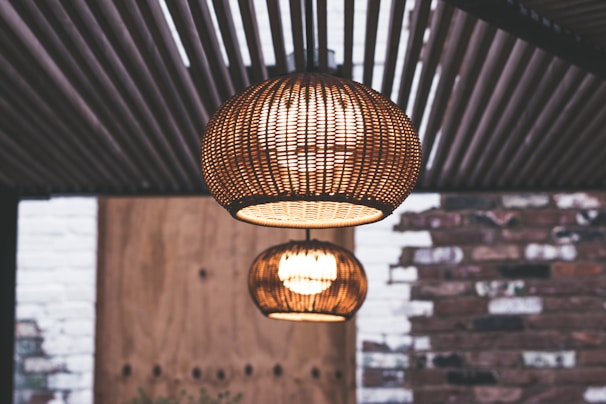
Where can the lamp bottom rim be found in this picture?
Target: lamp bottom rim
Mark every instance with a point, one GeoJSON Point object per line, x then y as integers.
{"type": "Point", "coordinates": [314, 317]}
{"type": "Point", "coordinates": [309, 214]}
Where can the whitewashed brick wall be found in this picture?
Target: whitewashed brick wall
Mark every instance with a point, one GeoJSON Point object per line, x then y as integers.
{"type": "Point", "coordinates": [56, 291]}
{"type": "Point", "coordinates": [383, 319]}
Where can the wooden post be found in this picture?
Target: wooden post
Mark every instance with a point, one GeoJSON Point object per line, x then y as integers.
{"type": "Point", "coordinates": [174, 310]}
{"type": "Point", "coordinates": [9, 203]}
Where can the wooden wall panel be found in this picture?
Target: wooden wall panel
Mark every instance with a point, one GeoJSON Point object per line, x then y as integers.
{"type": "Point", "coordinates": [172, 294]}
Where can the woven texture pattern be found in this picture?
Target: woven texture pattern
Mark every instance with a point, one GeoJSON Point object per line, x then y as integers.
{"type": "Point", "coordinates": [271, 153]}
{"type": "Point", "coordinates": [307, 281]}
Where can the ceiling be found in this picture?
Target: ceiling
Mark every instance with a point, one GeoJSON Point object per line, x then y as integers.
{"type": "Point", "coordinates": [98, 98]}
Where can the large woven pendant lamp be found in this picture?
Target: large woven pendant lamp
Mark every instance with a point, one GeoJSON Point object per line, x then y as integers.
{"type": "Point", "coordinates": [307, 281]}
{"type": "Point", "coordinates": [310, 150]}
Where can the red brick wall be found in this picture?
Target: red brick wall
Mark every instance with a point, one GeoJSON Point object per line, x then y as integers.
{"type": "Point", "coordinates": [519, 295]}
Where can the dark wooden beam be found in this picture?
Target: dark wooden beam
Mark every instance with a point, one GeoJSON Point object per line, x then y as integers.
{"type": "Point", "coordinates": [9, 203]}
{"type": "Point", "coordinates": [528, 25]}
{"type": "Point", "coordinates": [418, 24]}
{"type": "Point", "coordinates": [277, 35]}
{"type": "Point", "coordinates": [393, 45]}
{"type": "Point", "coordinates": [370, 43]}
{"type": "Point", "coordinates": [296, 21]}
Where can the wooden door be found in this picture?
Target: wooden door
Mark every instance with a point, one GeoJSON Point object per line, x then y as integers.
{"type": "Point", "coordinates": [174, 311]}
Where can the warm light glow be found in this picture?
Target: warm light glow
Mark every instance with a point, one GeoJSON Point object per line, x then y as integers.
{"type": "Point", "coordinates": [310, 214]}
{"type": "Point", "coordinates": [307, 280]}
{"type": "Point", "coordinates": [323, 141]}
{"type": "Point", "coordinates": [307, 272]}
{"type": "Point", "coordinates": [312, 317]}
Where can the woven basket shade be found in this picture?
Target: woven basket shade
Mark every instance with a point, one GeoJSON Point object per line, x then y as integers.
{"type": "Point", "coordinates": [307, 281]}
{"type": "Point", "coordinates": [310, 150]}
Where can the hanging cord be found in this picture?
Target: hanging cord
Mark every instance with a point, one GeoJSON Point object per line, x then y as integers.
{"type": "Point", "coordinates": [307, 233]}
{"type": "Point", "coordinates": [309, 32]}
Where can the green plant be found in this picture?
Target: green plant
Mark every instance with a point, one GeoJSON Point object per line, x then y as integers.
{"type": "Point", "coordinates": [223, 397]}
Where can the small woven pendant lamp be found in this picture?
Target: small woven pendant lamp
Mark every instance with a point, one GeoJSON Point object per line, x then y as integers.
{"type": "Point", "coordinates": [310, 150]}
{"type": "Point", "coordinates": [307, 281]}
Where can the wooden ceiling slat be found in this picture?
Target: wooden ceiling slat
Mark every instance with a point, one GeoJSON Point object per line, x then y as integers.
{"type": "Point", "coordinates": [516, 106]}
{"type": "Point", "coordinates": [370, 42]}
{"type": "Point", "coordinates": [60, 141]}
{"type": "Point", "coordinates": [296, 22]}
{"type": "Point", "coordinates": [590, 164]}
{"type": "Point", "coordinates": [277, 35]}
{"type": "Point", "coordinates": [440, 25]}
{"type": "Point", "coordinates": [251, 28]}
{"type": "Point", "coordinates": [528, 170]}
{"type": "Point", "coordinates": [514, 67]}
{"type": "Point", "coordinates": [578, 158]}
{"type": "Point", "coordinates": [108, 68]}
{"type": "Point", "coordinates": [393, 45]}
{"type": "Point", "coordinates": [232, 47]}
{"type": "Point", "coordinates": [199, 64]}
{"type": "Point", "coordinates": [564, 149]}
{"type": "Point", "coordinates": [38, 140]}
{"type": "Point", "coordinates": [322, 36]}
{"type": "Point", "coordinates": [517, 138]}
{"type": "Point", "coordinates": [543, 125]}
{"type": "Point", "coordinates": [473, 61]}
{"type": "Point", "coordinates": [141, 69]}
{"type": "Point", "coordinates": [95, 97]}
{"type": "Point", "coordinates": [130, 87]}
{"type": "Point", "coordinates": [106, 148]}
{"type": "Point", "coordinates": [349, 6]}
{"type": "Point", "coordinates": [542, 32]}
{"type": "Point", "coordinates": [155, 17]}
{"type": "Point", "coordinates": [25, 164]}
{"type": "Point", "coordinates": [498, 54]}
{"type": "Point", "coordinates": [151, 52]}
{"type": "Point", "coordinates": [91, 81]}
{"type": "Point", "coordinates": [418, 25]}
{"type": "Point", "coordinates": [55, 171]}
{"type": "Point", "coordinates": [456, 48]}
{"type": "Point", "coordinates": [207, 35]}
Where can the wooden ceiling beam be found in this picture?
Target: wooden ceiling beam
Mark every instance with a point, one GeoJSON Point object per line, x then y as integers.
{"type": "Point", "coordinates": [277, 36]}
{"type": "Point", "coordinates": [526, 89]}
{"type": "Point", "coordinates": [370, 43]}
{"type": "Point", "coordinates": [93, 83]}
{"type": "Point", "coordinates": [322, 36]}
{"type": "Point", "coordinates": [418, 25]}
{"type": "Point", "coordinates": [348, 25]}
{"type": "Point", "coordinates": [296, 22]}
{"type": "Point", "coordinates": [105, 146]}
{"type": "Point", "coordinates": [207, 36]}
{"type": "Point", "coordinates": [517, 139]}
{"type": "Point", "coordinates": [458, 42]}
{"type": "Point", "coordinates": [232, 46]}
{"type": "Point", "coordinates": [474, 59]}
{"type": "Point", "coordinates": [501, 90]}
{"type": "Point", "coordinates": [440, 26]}
{"type": "Point", "coordinates": [521, 22]}
{"type": "Point", "coordinates": [251, 29]}
{"type": "Point", "coordinates": [200, 70]}
{"type": "Point", "coordinates": [528, 172]}
{"type": "Point", "coordinates": [393, 45]}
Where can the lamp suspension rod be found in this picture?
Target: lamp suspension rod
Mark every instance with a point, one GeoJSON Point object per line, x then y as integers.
{"type": "Point", "coordinates": [309, 29]}
{"type": "Point", "coordinates": [307, 233]}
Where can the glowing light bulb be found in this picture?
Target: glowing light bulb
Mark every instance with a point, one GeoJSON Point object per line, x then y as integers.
{"type": "Point", "coordinates": [307, 273]}
{"type": "Point", "coordinates": [309, 131]}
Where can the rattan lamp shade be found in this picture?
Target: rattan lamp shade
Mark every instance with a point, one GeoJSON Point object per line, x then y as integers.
{"type": "Point", "coordinates": [310, 150]}
{"type": "Point", "coordinates": [307, 281]}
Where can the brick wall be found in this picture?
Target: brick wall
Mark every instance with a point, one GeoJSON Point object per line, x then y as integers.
{"type": "Point", "coordinates": [516, 296]}
{"type": "Point", "coordinates": [56, 289]}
